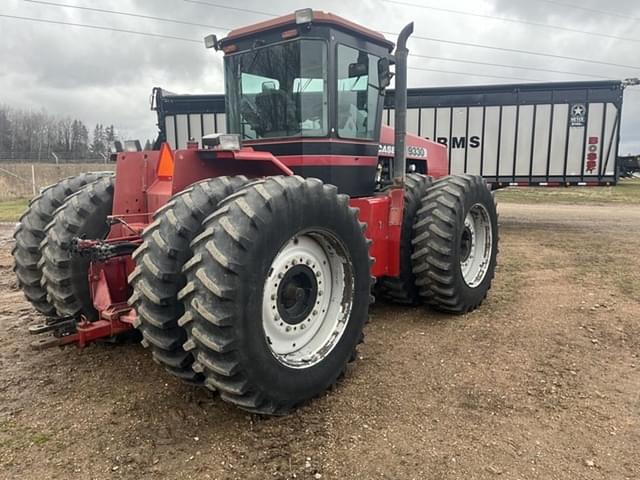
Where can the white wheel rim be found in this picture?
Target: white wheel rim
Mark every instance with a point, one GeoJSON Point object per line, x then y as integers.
{"type": "Point", "coordinates": [302, 320]}
{"type": "Point", "coordinates": [476, 245]}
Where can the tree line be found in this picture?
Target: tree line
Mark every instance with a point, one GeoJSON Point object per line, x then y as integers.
{"type": "Point", "coordinates": [29, 135]}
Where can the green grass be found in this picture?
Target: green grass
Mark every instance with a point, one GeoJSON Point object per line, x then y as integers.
{"type": "Point", "coordinates": [40, 438]}
{"type": "Point", "coordinates": [627, 191]}
{"type": "Point", "coordinates": [10, 210]}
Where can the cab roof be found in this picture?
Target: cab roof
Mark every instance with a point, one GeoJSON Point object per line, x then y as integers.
{"type": "Point", "coordinates": [319, 17]}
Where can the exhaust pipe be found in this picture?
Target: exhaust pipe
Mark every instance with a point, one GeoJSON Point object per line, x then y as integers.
{"type": "Point", "coordinates": [400, 161]}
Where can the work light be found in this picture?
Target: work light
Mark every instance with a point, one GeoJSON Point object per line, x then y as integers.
{"type": "Point", "coordinates": [222, 141]}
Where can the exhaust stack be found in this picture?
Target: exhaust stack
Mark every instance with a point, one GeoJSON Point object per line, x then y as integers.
{"type": "Point", "coordinates": [400, 161]}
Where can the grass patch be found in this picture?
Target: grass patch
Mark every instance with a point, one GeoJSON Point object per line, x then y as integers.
{"type": "Point", "coordinates": [627, 191]}
{"type": "Point", "coordinates": [40, 438]}
{"type": "Point", "coordinates": [10, 210]}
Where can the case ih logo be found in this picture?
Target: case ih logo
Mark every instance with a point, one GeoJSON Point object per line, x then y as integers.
{"type": "Point", "coordinates": [412, 152]}
{"type": "Point", "coordinates": [460, 142]}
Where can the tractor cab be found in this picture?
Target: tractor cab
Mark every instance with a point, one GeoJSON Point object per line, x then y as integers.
{"type": "Point", "coordinates": [309, 88]}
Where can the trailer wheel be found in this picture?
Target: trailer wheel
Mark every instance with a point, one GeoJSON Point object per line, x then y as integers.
{"type": "Point", "coordinates": [455, 241]}
{"type": "Point", "coordinates": [64, 276]}
{"type": "Point", "coordinates": [158, 277]}
{"type": "Point", "coordinates": [277, 293]}
{"type": "Point", "coordinates": [30, 233]}
{"type": "Point", "coordinates": [403, 289]}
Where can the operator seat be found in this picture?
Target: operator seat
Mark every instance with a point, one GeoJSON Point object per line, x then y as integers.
{"type": "Point", "coordinates": [277, 113]}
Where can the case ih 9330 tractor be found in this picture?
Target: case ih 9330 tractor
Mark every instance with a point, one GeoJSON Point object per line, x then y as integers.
{"type": "Point", "coordinates": [248, 261]}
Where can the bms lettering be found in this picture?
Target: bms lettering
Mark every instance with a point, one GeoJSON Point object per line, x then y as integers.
{"type": "Point", "coordinates": [460, 142]}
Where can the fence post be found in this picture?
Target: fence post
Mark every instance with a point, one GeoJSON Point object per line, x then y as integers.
{"type": "Point", "coordinates": [33, 179]}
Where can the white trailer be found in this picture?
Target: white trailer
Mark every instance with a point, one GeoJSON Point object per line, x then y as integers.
{"type": "Point", "coordinates": [543, 134]}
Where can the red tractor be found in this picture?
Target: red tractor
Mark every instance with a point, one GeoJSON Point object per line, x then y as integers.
{"type": "Point", "coordinates": [248, 261]}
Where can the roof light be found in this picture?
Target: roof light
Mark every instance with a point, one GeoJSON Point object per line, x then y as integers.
{"type": "Point", "coordinates": [221, 141]}
{"type": "Point", "coordinates": [304, 16]}
{"type": "Point", "coordinates": [211, 41]}
{"type": "Point", "coordinates": [165, 163]}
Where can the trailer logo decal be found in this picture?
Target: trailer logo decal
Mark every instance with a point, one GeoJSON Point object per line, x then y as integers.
{"type": "Point", "coordinates": [578, 117]}
{"type": "Point", "coordinates": [592, 155]}
{"type": "Point", "coordinates": [460, 142]}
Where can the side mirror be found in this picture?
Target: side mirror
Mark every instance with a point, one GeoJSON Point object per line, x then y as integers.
{"type": "Point", "coordinates": [384, 73]}
{"type": "Point", "coordinates": [358, 70]}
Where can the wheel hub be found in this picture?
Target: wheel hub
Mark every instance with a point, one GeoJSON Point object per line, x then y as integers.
{"type": "Point", "coordinates": [476, 244]}
{"type": "Point", "coordinates": [465, 243]}
{"type": "Point", "coordinates": [297, 294]}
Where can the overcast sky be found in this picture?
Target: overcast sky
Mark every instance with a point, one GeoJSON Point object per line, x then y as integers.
{"type": "Point", "coordinates": [105, 76]}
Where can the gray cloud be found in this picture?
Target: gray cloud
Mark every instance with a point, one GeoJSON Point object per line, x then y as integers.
{"type": "Point", "coordinates": [108, 76]}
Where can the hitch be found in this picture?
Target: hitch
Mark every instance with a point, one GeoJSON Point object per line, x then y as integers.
{"type": "Point", "coordinates": [69, 330]}
{"type": "Point", "coordinates": [110, 265]}
{"type": "Point", "coordinates": [62, 330]}
{"type": "Point", "coordinates": [100, 251]}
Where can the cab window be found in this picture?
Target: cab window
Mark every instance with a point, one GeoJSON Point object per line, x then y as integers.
{"type": "Point", "coordinates": [358, 93]}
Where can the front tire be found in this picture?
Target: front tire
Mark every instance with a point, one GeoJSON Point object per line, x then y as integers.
{"type": "Point", "coordinates": [277, 293]}
{"type": "Point", "coordinates": [455, 240]}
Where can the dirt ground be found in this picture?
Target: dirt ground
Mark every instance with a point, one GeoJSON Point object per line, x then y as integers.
{"type": "Point", "coordinates": [542, 382]}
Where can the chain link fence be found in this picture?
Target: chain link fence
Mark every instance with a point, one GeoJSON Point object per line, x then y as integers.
{"type": "Point", "coordinates": [26, 179]}
{"type": "Point", "coordinates": [52, 157]}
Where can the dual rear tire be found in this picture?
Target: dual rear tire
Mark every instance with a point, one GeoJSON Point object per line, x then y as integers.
{"type": "Point", "coordinates": [267, 304]}
{"type": "Point", "coordinates": [32, 230]}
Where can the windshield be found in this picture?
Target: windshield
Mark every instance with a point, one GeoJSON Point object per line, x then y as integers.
{"type": "Point", "coordinates": [278, 90]}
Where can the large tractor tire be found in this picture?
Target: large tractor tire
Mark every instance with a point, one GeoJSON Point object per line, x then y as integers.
{"type": "Point", "coordinates": [403, 289]}
{"type": "Point", "coordinates": [277, 293]}
{"type": "Point", "coordinates": [65, 276]}
{"type": "Point", "coordinates": [158, 277]}
{"type": "Point", "coordinates": [30, 233]}
{"type": "Point", "coordinates": [455, 241]}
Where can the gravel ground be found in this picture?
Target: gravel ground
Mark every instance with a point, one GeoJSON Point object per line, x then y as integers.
{"type": "Point", "coordinates": [542, 381]}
